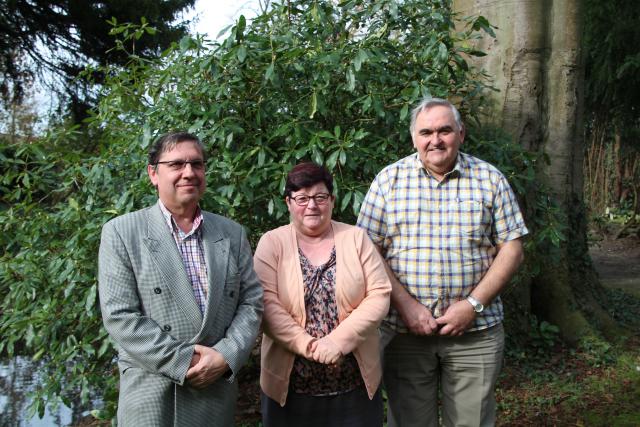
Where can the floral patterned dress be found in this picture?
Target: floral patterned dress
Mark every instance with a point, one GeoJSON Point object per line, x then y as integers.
{"type": "Point", "coordinates": [309, 377]}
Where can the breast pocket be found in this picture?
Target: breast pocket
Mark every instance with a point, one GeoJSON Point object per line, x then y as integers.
{"type": "Point", "coordinates": [469, 220]}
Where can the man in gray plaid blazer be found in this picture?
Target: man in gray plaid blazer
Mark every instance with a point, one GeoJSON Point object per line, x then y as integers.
{"type": "Point", "coordinates": [179, 297]}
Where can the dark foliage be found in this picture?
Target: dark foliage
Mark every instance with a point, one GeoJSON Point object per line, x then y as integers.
{"type": "Point", "coordinates": [612, 60]}
{"type": "Point", "coordinates": [63, 36]}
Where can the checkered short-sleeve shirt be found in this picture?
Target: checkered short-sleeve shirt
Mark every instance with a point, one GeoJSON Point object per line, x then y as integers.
{"type": "Point", "coordinates": [440, 238]}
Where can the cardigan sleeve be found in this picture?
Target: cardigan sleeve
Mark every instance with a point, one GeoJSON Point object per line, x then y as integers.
{"type": "Point", "coordinates": [278, 323]}
{"type": "Point", "coordinates": [354, 329]}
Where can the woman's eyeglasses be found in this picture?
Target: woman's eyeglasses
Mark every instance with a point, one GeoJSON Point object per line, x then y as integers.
{"type": "Point", "coordinates": [319, 199]}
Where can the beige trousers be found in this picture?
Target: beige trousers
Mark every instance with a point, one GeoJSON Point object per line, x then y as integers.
{"type": "Point", "coordinates": [464, 369]}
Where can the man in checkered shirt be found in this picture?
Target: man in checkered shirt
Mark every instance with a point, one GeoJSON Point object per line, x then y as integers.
{"type": "Point", "coordinates": [450, 229]}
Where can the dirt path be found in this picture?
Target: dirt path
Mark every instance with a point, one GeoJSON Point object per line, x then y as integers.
{"type": "Point", "coordinates": [618, 263]}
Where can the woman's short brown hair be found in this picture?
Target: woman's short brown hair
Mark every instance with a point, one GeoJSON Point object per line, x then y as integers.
{"type": "Point", "coordinates": [305, 175]}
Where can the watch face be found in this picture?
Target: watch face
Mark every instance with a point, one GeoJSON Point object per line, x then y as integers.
{"type": "Point", "coordinates": [477, 305]}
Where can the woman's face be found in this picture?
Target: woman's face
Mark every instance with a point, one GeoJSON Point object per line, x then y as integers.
{"type": "Point", "coordinates": [314, 218]}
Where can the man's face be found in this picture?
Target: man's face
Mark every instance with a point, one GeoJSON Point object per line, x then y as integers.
{"type": "Point", "coordinates": [180, 185]}
{"type": "Point", "coordinates": [437, 138]}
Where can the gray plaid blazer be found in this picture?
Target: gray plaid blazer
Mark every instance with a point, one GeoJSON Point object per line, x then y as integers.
{"type": "Point", "coordinates": [150, 312]}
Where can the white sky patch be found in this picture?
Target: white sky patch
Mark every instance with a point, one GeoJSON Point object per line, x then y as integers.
{"type": "Point", "coordinates": [212, 16]}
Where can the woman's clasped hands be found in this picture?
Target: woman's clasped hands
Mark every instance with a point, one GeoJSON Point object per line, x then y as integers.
{"type": "Point", "coordinates": [325, 351]}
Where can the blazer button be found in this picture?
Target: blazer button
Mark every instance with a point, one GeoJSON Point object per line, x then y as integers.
{"type": "Point", "coordinates": [167, 328]}
{"type": "Point", "coordinates": [157, 290]}
{"type": "Point", "coordinates": [231, 294]}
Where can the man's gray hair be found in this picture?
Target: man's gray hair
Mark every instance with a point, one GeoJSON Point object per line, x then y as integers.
{"type": "Point", "coordinates": [426, 104]}
{"type": "Point", "coordinates": [168, 141]}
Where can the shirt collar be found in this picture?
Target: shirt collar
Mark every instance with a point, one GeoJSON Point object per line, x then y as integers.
{"type": "Point", "coordinates": [458, 168]}
{"type": "Point", "coordinates": [173, 226]}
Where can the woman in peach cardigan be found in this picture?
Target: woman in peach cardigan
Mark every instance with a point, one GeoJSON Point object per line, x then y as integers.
{"type": "Point", "coordinates": [325, 293]}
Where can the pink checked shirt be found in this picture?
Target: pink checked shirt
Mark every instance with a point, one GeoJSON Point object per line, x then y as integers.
{"type": "Point", "coordinates": [192, 252]}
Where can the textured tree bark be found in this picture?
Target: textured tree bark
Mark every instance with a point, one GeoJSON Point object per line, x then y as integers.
{"type": "Point", "coordinates": [514, 61]}
{"type": "Point", "coordinates": [535, 63]}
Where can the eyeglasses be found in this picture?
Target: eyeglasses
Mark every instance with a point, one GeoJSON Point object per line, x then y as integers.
{"type": "Point", "coordinates": [303, 199]}
{"type": "Point", "coordinates": [178, 165]}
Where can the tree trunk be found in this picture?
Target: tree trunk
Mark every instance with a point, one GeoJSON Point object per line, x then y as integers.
{"type": "Point", "coordinates": [535, 63]}
{"type": "Point", "coordinates": [617, 164]}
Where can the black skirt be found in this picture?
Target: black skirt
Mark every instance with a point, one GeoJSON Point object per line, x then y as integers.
{"type": "Point", "coordinates": [352, 409]}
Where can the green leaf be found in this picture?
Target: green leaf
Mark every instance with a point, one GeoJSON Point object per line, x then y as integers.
{"type": "Point", "coordinates": [69, 289]}
{"type": "Point", "coordinates": [39, 152]}
{"type": "Point", "coordinates": [317, 156]}
{"type": "Point", "coordinates": [360, 58]}
{"type": "Point", "coordinates": [100, 414]}
{"type": "Point", "coordinates": [351, 80]}
{"type": "Point", "coordinates": [358, 197]}
{"type": "Point", "coordinates": [477, 53]}
{"type": "Point", "coordinates": [241, 53]}
{"type": "Point", "coordinates": [90, 302]}
{"type": "Point", "coordinates": [73, 203]}
{"type": "Point", "coordinates": [332, 160]}
{"type": "Point", "coordinates": [343, 157]}
{"type": "Point", "coordinates": [443, 52]}
{"type": "Point", "coordinates": [345, 201]}
{"type": "Point", "coordinates": [481, 23]}
{"type": "Point", "coordinates": [146, 135]}
{"type": "Point", "coordinates": [314, 105]}
{"type": "Point", "coordinates": [106, 345]}
{"type": "Point", "coordinates": [30, 335]}
{"type": "Point", "coordinates": [404, 111]}
{"type": "Point", "coordinates": [242, 24]}
{"type": "Point", "coordinates": [223, 31]}
{"type": "Point", "coordinates": [269, 73]}
{"type": "Point", "coordinates": [186, 43]}
{"type": "Point", "coordinates": [40, 408]}
{"type": "Point", "coordinates": [196, 126]}
{"type": "Point", "coordinates": [366, 104]}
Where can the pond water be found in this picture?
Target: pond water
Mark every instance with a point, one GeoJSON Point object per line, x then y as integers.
{"type": "Point", "coordinates": [19, 377]}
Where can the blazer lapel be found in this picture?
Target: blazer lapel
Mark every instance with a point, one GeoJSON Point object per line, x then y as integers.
{"type": "Point", "coordinates": [216, 251]}
{"type": "Point", "coordinates": [165, 253]}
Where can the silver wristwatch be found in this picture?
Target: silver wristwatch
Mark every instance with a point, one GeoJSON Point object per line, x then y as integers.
{"type": "Point", "coordinates": [477, 305]}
